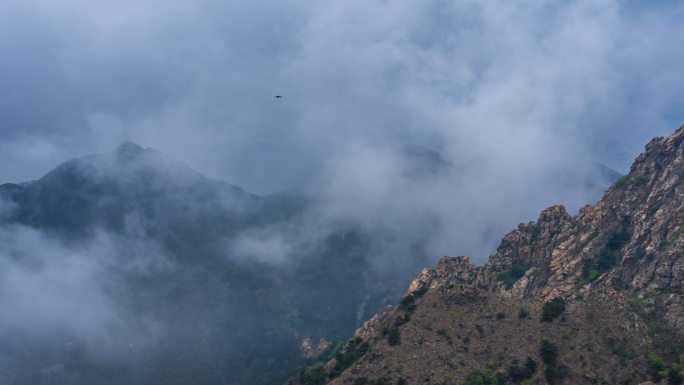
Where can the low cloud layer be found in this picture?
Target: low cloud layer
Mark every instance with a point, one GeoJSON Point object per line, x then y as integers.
{"type": "Point", "coordinates": [506, 83]}
{"type": "Point", "coordinates": [512, 95]}
{"type": "Point", "coordinates": [70, 295]}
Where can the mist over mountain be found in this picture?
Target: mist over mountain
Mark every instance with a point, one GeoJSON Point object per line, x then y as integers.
{"type": "Point", "coordinates": [592, 298]}
{"type": "Point", "coordinates": [131, 267]}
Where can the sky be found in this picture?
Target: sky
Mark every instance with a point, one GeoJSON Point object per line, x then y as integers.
{"type": "Point", "coordinates": [517, 98]}
{"type": "Point", "coordinates": [196, 79]}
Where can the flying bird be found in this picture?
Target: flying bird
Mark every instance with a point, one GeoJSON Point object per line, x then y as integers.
{"type": "Point", "coordinates": [278, 96]}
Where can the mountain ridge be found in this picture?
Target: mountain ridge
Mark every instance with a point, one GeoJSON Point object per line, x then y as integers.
{"type": "Point", "coordinates": [621, 255]}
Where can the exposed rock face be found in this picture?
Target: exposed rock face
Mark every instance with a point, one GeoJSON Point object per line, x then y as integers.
{"type": "Point", "coordinates": [629, 242]}
{"type": "Point", "coordinates": [310, 351]}
{"type": "Point", "coordinates": [618, 267]}
{"type": "Point", "coordinates": [374, 324]}
{"type": "Point", "coordinates": [449, 271]}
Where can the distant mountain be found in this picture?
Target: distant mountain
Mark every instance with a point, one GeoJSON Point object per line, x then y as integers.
{"type": "Point", "coordinates": [227, 316]}
{"type": "Point", "coordinates": [229, 287]}
{"type": "Point", "coordinates": [597, 298]}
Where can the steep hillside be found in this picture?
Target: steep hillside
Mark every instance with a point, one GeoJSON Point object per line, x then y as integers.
{"type": "Point", "coordinates": [184, 269]}
{"type": "Point", "coordinates": [592, 299]}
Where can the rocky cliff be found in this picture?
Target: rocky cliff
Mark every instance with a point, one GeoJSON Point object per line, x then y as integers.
{"type": "Point", "coordinates": [594, 298]}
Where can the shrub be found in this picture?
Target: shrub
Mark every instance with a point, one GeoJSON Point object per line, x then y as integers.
{"type": "Point", "coordinates": [640, 179]}
{"type": "Point", "coordinates": [350, 353]}
{"type": "Point", "coordinates": [312, 376]}
{"type": "Point", "coordinates": [657, 367]}
{"type": "Point", "coordinates": [554, 374]}
{"type": "Point", "coordinates": [549, 352]}
{"type": "Point", "coordinates": [676, 374]}
{"type": "Point", "coordinates": [445, 333]}
{"type": "Point", "coordinates": [678, 140]}
{"type": "Point", "coordinates": [553, 309]}
{"type": "Point", "coordinates": [477, 377]}
{"type": "Point", "coordinates": [393, 337]}
{"type": "Point", "coordinates": [622, 181]}
{"type": "Point", "coordinates": [518, 374]}
{"type": "Point", "coordinates": [618, 240]}
{"type": "Point", "coordinates": [605, 260]}
{"type": "Point", "coordinates": [593, 275]}
{"type": "Point", "coordinates": [621, 351]}
{"type": "Point", "coordinates": [523, 313]}
{"type": "Point", "coordinates": [512, 275]}
{"type": "Point", "coordinates": [500, 315]}
{"type": "Point", "coordinates": [408, 303]}
{"type": "Point", "coordinates": [674, 378]}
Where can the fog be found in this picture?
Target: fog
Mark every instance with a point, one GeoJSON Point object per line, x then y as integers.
{"type": "Point", "coordinates": [432, 127]}
{"type": "Point", "coordinates": [74, 295]}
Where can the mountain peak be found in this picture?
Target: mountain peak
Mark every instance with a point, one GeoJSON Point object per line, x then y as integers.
{"type": "Point", "coordinates": [129, 150]}
{"type": "Point", "coordinates": [618, 265]}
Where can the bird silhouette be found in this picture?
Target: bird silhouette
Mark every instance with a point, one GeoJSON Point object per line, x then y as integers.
{"type": "Point", "coordinates": [278, 96]}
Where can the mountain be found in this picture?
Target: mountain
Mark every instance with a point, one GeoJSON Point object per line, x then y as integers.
{"type": "Point", "coordinates": [178, 259]}
{"type": "Point", "coordinates": [595, 298]}
{"type": "Point", "coordinates": [133, 268]}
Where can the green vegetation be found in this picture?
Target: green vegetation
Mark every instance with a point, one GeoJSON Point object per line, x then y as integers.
{"type": "Point", "coordinates": [617, 240]}
{"type": "Point", "coordinates": [618, 284]}
{"type": "Point", "coordinates": [351, 352]}
{"type": "Point", "coordinates": [639, 253]}
{"type": "Point", "coordinates": [553, 309]}
{"type": "Point", "coordinates": [640, 179]}
{"type": "Point", "coordinates": [512, 275]}
{"type": "Point", "coordinates": [408, 303]}
{"type": "Point", "coordinates": [678, 140]}
{"type": "Point", "coordinates": [549, 352]}
{"type": "Point", "coordinates": [677, 233]}
{"type": "Point", "coordinates": [622, 181]}
{"type": "Point", "coordinates": [676, 375]}
{"type": "Point", "coordinates": [556, 373]}
{"type": "Point", "coordinates": [660, 370]}
{"type": "Point", "coordinates": [607, 258]}
{"type": "Point", "coordinates": [657, 367]}
{"type": "Point", "coordinates": [393, 336]}
{"type": "Point", "coordinates": [517, 374]}
{"type": "Point", "coordinates": [446, 334]}
{"type": "Point", "coordinates": [619, 350]}
{"type": "Point", "coordinates": [536, 230]}
{"type": "Point", "coordinates": [478, 377]}
{"type": "Point", "coordinates": [314, 375]}
{"type": "Point", "coordinates": [523, 313]}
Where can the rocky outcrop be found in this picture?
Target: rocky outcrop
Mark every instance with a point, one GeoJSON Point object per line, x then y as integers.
{"type": "Point", "coordinates": [449, 271]}
{"type": "Point", "coordinates": [629, 243]}
{"type": "Point", "coordinates": [374, 324]}
{"type": "Point", "coordinates": [617, 267]}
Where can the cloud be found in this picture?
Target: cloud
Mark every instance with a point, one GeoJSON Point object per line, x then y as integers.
{"type": "Point", "coordinates": [511, 94]}
{"type": "Point", "coordinates": [71, 295]}
{"type": "Point", "coordinates": [268, 247]}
